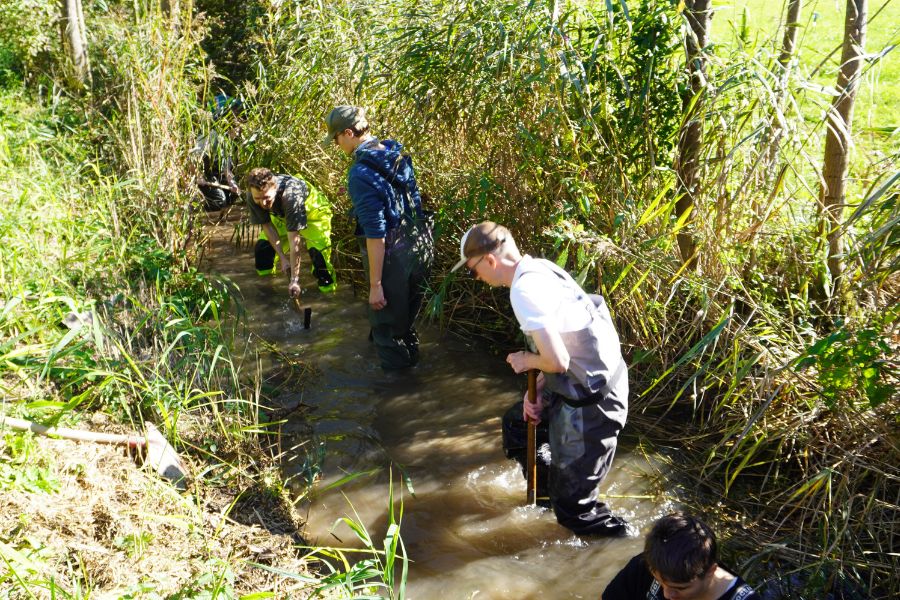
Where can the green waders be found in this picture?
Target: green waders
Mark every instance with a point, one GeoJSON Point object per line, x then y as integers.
{"type": "Point", "coordinates": [318, 242]}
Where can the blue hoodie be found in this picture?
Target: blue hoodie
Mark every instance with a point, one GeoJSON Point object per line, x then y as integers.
{"type": "Point", "coordinates": [382, 187]}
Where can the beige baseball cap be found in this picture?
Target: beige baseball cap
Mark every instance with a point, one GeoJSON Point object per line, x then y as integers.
{"type": "Point", "coordinates": [479, 240]}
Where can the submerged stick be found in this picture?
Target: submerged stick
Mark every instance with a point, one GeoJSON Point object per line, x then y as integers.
{"type": "Point", "coordinates": [306, 312]}
{"type": "Point", "coordinates": [628, 496]}
{"type": "Point", "coordinates": [531, 468]}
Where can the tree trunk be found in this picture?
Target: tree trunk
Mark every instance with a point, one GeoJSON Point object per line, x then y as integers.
{"type": "Point", "coordinates": [697, 13]}
{"type": "Point", "coordinates": [791, 27]}
{"type": "Point", "coordinates": [773, 173]}
{"type": "Point", "coordinates": [788, 44]}
{"type": "Point", "coordinates": [74, 41]}
{"type": "Point", "coordinates": [172, 10]}
{"type": "Point", "coordinates": [838, 140]}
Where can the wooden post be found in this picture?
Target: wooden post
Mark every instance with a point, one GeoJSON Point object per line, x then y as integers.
{"type": "Point", "coordinates": [531, 463]}
{"type": "Point", "coordinates": [687, 167]}
{"type": "Point", "coordinates": [74, 41]}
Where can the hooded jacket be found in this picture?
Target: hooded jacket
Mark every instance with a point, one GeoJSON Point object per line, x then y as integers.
{"type": "Point", "coordinates": [382, 187]}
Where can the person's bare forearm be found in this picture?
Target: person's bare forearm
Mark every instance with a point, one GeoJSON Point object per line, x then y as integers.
{"type": "Point", "coordinates": [375, 248]}
{"type": "Point", "coordinates": [375, 251]}
{"type": "Point", "coordinates": [294, 289]}
{"type": "Point", "coordinates": [294, 243]}
{"type": "Point", "coordinates": [524, 361]}
{"type": "Point", "coordinates": [274, 239]}
{"type": "Point", "coordinates": [551, 356]}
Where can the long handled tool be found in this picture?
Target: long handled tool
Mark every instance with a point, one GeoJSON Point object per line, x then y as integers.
{"type": "Point", "coordinates": [156, 451]}
{"type": "Point", "coordinates": [531, 461]}
{"type": "Point", "coordinates": [216, 185]}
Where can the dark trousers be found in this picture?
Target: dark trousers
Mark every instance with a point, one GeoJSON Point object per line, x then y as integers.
{"type": "Point", "coordinates": [576, 447]}
{"type": "Point", "coordinates": [407, 261]}
{"type": "Point", "coordinates": [215, 198]}
{"type": "Point", "coordinates": [264, 260]}
{"type": "Point", "coordinates": [515, 446]}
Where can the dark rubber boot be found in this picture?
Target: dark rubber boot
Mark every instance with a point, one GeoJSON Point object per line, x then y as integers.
{"type": "Point", "coordinates": [264, 257]}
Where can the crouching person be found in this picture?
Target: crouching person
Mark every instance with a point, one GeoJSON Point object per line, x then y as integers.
{"type": "Point", "coordinates": [217, 181]}
{"type": "Point", "coordinates": [680, 562]}
{"type": "Point", "coordinates": [289, 208]}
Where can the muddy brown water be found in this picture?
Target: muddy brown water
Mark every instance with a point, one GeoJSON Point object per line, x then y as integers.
{"type": "Point", "coordinates": [466, 529]}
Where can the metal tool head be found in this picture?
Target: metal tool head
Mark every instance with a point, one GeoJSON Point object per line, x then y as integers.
{"type": "Point", "coordinates": [159, 454]}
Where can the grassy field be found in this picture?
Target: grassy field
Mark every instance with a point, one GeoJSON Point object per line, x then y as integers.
{"type": "Point", "coordinates": [822, 30]}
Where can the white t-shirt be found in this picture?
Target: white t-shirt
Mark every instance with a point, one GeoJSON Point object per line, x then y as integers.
{"type": "Point", "coordinates": [541, 299]}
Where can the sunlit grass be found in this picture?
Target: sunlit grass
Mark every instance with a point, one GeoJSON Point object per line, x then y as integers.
{"type": "Point", "coordinates": [99, 318]}
{"type": "Point", "coordinates": [822, 30]}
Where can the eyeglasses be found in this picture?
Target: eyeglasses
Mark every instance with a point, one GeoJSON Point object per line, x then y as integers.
{"type": "Point", "coordinates": [495, 246]}
{"type": "Point", "coordinates": [471, 269]}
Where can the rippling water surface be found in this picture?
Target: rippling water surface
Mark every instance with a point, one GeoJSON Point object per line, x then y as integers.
{"type": "Point", "coordinates": [465, 529]}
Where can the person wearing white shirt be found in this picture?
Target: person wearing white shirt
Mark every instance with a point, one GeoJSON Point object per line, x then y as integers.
{"type": "Point", "coordinates": [583, 380]}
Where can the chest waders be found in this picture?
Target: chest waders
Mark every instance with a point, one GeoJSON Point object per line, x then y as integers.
{"type": "Point", "coordinates": [408, 255]}
{"type": "Point", "coordinates": [586, 408]}
{"type": "Point", "coordinates": [317, 236]}
{"type": "Point", "coordinates": [215, 164]}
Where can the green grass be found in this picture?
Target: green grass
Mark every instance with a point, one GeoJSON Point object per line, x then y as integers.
{"type": "Point", "coordinates": [565, 135]}
{"type": "Point", "coordinates": [822, 30]}
{"type": "Point", "coordinates": [157, 348]}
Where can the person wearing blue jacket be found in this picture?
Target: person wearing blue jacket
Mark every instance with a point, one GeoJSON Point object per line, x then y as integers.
{"type": "Point", "coordinates": [395, 237]}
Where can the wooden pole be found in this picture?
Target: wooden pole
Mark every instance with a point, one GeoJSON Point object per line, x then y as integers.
{"type": "Point", "coordinates": [531, 466]}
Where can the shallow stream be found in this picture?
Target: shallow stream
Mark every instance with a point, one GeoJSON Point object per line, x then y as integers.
{"type": "Point", "coordinates": [466, 529]}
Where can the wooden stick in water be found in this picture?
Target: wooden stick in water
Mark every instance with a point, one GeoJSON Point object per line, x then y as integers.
{"type": "Point", "coordinates": [531, 466]}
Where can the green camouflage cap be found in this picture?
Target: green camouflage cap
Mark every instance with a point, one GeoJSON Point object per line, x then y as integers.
{"type": "Point", "coordinates": [344, 117]}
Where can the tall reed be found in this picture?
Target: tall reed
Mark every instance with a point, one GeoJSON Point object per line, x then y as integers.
{"type": "Point", "coordinates": [101, 312]}
{"type": "Point", "coordinates": [559, 119]}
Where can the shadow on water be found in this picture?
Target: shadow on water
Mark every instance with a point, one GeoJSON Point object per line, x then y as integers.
{"type": "Point", "coordinates": [465, 528]}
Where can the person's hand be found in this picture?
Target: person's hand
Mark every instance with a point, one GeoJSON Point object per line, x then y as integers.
{"type": "Point", "coordinates": [376, 297]}
{"type": "Point", "coordinates": [517, 361]}
{"type": "Point", "coordinates": [294, 289]}
{"type": "Point", "coordinates": [285, 265]}
{"type": "Point", "coordinates": [533, 411]}
{"type": "Point", "coordinates": [235, 189]}
{"type": "Point", "coordinates": [200, 180]}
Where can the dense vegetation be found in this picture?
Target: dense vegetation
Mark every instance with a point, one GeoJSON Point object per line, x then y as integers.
{"type": "Point", "coordinates": [560, 119]}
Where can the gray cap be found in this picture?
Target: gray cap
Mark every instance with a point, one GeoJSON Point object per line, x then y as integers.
{"type": "Point", "coordinates": [344, 117]}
